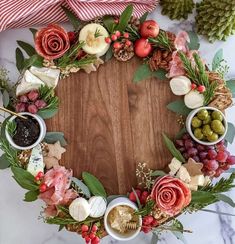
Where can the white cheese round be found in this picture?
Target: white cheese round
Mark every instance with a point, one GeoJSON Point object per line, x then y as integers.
{"type": "Point", "coordinates": [79, 209]}
{"type": "Point", "coordinates": [98, 206]}
{"type": "Point", "coordinates": [194, 99]}
{"type": "Point", "coordinates": [180, 85]}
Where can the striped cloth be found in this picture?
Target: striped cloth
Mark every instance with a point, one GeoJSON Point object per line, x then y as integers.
{"type": "Point", "coordinates": [23, 13]}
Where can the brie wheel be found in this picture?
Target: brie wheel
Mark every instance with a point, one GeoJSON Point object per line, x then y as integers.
{"type": "Point", "coordinates": [180, 85]}
{"type": "Point", "coordinates": [79, 209]}
{"type": "Point", "coordinates": [194, 99]}
{"type": "Point", "coordinates": [98, 206]}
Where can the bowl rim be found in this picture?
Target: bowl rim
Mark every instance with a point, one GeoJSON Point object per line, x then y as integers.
{"type": "Point", "coordinates": [126, 202]}
{"type": "Point", "coordinates": [41, 136]}
{"type": "Point", "coordinates": [189, 129]}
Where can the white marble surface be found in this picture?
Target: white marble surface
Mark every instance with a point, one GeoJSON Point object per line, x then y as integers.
{"type": "Point", "coordinates": [19, 220]}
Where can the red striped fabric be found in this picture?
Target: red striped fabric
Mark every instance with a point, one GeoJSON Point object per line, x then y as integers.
{"type": "Point", "coordinates": [23, 13]}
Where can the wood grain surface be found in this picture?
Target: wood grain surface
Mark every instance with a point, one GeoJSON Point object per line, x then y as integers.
{"type": "Point", "coordinates": [112, 124]}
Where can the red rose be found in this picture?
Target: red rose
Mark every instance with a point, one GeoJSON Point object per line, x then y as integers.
{"type": "Point", "coordinates": [171, 195]}
{"type": "Point", "coordinates": [51, 42]}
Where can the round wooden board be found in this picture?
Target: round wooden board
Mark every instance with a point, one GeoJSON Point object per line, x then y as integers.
{"type": "Point", "coordinates": [112, 124]}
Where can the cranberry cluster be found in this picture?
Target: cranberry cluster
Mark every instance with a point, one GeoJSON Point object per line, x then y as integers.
{"type": "Point", "coordinates": [89, 233]}
{"type": "Point", "coordinates": [116, 37]}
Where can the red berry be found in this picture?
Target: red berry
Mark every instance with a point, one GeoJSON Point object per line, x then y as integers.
{"type": "Point", "coordinates": [147, 220]}
{"type": "Point", "coordinates": [84, 234]}
{"type": "Point", "coordinates": [92, 236]}
{"type": "Point", "coordinates": [87, 239]}
{"type": "Point", "coordinates": [113, 37]}
{"type": "Point", "coordinates": [222, 156]}
{"type": "Point", "coordinates": [85, 228]}
{"type": "Point", "coordinates": [212, 154]}
{"type": "Point", "coordinates": [40, 174]}
{"type": "Point", "coordinates": [94, 228]}
{"type": "Point", "coordinates": [143, 197]}
{"type": "Point", "coordinates": [95, 240]}
{"type": "Point", "coordinates": [154, 223]}
{"type": "Point", "coordinates": [72, 36]}
{"type": "Point", "coordinates": [128, 43]}
{"type": "Point", "coordinates": [116, 20]}
{"type": "Point", "coordinates": [126, 35]}
{"type": "Point", "coordinates": [40, 104]}
{"type": "Point", "coordinates": [201, 88]}
{"type": "Point", "coordinates": [20, 107]}
{"type": "Point", "coordinates": [117, 45]}
{"type": "Point", "coordinates": [32, 109]}
{"type": "Point", "coordinates": [37, 178]}
{"type": "Point", "coordinates": [231, 160]}
{"type": "Point", "coordinates": [146, 229]}
{"type": "Point", "coordinates": [118, 33]}
{"type": "Point", "coordinates": [23, 99]}
{"type": "Point", "coordinates": [43, 187]}
{"type": "Point", "coordinates": [212, 165]}
{"type": "Point", "coordinates": [33, 95]}
{"type": "Point", "coordinates": [107, 40]}
{"type": "Point", "coordinates": [132, 195]}
{"type": "Point", "coordinates": [193, 86]}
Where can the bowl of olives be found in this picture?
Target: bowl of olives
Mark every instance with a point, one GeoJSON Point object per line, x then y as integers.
{"type": "Point", "coordinates": [207, 125]}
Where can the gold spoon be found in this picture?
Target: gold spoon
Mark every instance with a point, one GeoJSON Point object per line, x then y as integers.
{"type": "Point", "coordinates": [13, 113]}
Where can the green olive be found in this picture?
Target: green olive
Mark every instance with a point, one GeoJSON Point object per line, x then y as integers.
{"type": "Point", "coordinates": [217, 115]}
{"type": "Point", "coordinates": [216, 125]}
{"type": "Point", "coordinates": [221, 130]}
{"type": "Point", "coordinates": [202, 114]}
{"type": "Point", "coordinates": [213, 137]}
{"type": "Point", "coordinates": [198, 133]}
{"type": "Point", "coordinates": [206, 130]}
{"type": "Point", "coordinates": [207, 120]}
{"type": "Point", "coordinates": [196, 122]}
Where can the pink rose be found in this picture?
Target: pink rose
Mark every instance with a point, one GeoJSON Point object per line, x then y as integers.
{"type": "Point", "coordinates": [52, 42]}
{"type": "Point", "coordinates": [171, 195]}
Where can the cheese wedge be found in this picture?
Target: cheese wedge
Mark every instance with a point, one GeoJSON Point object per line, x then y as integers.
{"type": "Point", "coordinates": [49, 76]}
{"type": "Point", "coordinates": [36, 163]}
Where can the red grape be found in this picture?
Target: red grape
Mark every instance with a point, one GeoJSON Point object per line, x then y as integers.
{"type": "Point", "coordinates": [218, 172]}
{"type": "Point", "coordinates": [200, 147]}
{"type": "Point", "coordinates": [202, 155]}
{"type": "Point", "coordinates": [196, 158]}
{"type": "Point", "coordinates": [20, 107]}
{"type": "Point", "coordinates": [212, 154]}
{"type": "Point", "coordinates": [32, 109]}
{"type": "Point", "coordinates": [192, 151]}
{"type": "Point", "coordinates": [23, 99]}
{"type": "Point", "coordinates": [179, 143]}
{"type": "Point", "coordinates": [212, 165]}
{"type": "Point", "coordinates": [222, 156]}
{"type": "Point", "coordinates": [185, 155]}
{"type": "Point", "coordinates": [181, 149]}
{"type": "Point", "coordinates": [231, 160]}
{"type": "Point", "coordinates": [188, 143]}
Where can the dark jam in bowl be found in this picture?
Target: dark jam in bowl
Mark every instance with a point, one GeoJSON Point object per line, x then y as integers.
{"type": "Point", "coordinates": [27, 131]}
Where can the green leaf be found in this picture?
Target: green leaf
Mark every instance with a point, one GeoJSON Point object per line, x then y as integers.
{"type": "Point", "coordinates": [137, 199]}
{"type": "Point", "coordinates": [109, 23]}
{"type": "Point", "coordinates": [72, 18]}
{"type": "Point", "coordinates": [179, 107]}
{"type": "Point", "coordinates": [171, 147]}
{"type": "Point", "coordinates": [143, 72]}
{"type": "Point", "coordinates": [225, 199]}
{"type": "Point", "coordinates": [29, 49]}
{"type": "Point", "coordinates": [53, 137]}
{"type": "Point", "coordinates": [31, 196]}
{"type": "Point", "coordinates": [124, 18]}
{"type": "Point", "coordinates": [61, 227]}
{"type": "Point", "coordinates": [47, 113]}
{"type": "Point", "coordinates": [158, 173]}
{"type": "Point", "coordinates": [109, 54]}
{"type": "Point", "coordinates": [93, 184]}
{"type": "Point", "coordinates": [159, 74]}
{"type": "Point", "coordinates": [5, 98]}
{"type": "Point", "coordinates": [19, 59]}
{"type": "Point", "coordinates": [202, 197]}
{"type": "Point", "coordinates": [81, 186]}
{"type": "Point", "coordinates": [34, 60]}
{"type": "Point", "coordinates": [230, 133]}
{"type": "Point", "coordinates": [34, 31]}
{"type": "Point", "coordinates": [194, 43]}
{"type": "Point", "coordinates": [218, 58]}
{"type": "Point", "coordinates": [4, 163]}
{"type": "Point", "coordinates": [143, 17]}
{"type": "Point", "coordinates": [231, 85]}
{"type": "Point", "coordinates": [24, 178]}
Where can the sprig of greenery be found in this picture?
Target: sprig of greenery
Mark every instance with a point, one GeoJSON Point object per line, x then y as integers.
{"type": "Point", "coordinates": [197, 73]}
{"type": "Point", "coordinates": [88, 59]}
{"type": "Point", "coordinates": [48, 95]}
{"type": "Point", "coordinates": [11, 127]}
{"type": "Point", "coordinates": [97, 33]}
{"type": "Point", "coordinates": [133, 31]}
{"type": "Point", "coordinates": [147, 209]}
{"type": "Point", "coordinates": [4, 79]}
{"type": "Point", "coordinates": [162, 40]}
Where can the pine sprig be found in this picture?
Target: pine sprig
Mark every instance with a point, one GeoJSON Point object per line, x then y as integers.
{"type": "Point", "coordinates": [48, 95]}
{"type": "Point", "coordinates": [147, 209]}
{"type": "Point", "coordinates": [162, 41]}
{"type": "Point", "coordinates": [197, 73]}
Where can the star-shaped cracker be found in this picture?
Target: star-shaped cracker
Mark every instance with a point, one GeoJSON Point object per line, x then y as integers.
{"type": "Point", "coordinates": [50, 162]}
{"type": "Point", "coordinates": [55, 150]}
{"type": "Point", "coordinates": [193, 167]}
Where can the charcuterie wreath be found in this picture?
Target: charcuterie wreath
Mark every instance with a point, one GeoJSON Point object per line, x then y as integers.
{"type": "Point", "coordinates": [199, 150]}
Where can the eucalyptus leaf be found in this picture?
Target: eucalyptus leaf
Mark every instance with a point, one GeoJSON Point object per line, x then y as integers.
{"type": "Point", "coordinates": [34, 60]}
{"type": "Point", "coordinates": [72, 18]}
{"type": "Point", "coordinates": [94, 185]}
{"type": "Point", "coordinates": [203, 197]}
{"type": "Point", "coordinates": [4, 163]}
{"type": "Point", "coordinates": [109, 23]}
{"type": "Point", "coordinates": [33, 31]}
{"type": "Point", "coordinates": [143, 72]}
{"type": "Point", "coordinates": [226, 199]}
{"type": "Point", "coordinates": [29, 49]}
{"type": "Point", "coordinates": [179, 107]}
{"type": "Point", "coordinates": [171, 147]}
{"type": "Point", "coordinates": [47, 113]}
{"type": "Point", "coordinates": [109, 54]}
{"type": "Point", "coordinates": [5, 98]}
{"type": "Point", "coordinates": [231, 85]}
{"type": "Point", "coordinates": [19, 59]}
{"type": "Point", "coordinates": [85, 190]}
{"type": "Point", "coordinates": [218, 58]}
{"type": "Point", "coordinates": [160, 74]}
{"type": "Point", "coordinates": [53, 137]}
{"type": "Point", "coordinates": [230, 133]}
{"type": "Point", "coordinates": [124, 18]}
{"type": "Point", "coordinates": [143, 17]}
{"type": "Point", "coordinates": [158, 173]}
{"type": "Point", "coordinates": [194, 43]}
{"type": "Point", "coordinates": [31, 196]}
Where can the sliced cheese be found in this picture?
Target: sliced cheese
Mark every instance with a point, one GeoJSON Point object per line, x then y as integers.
{"type": "Point", "coordinates": [49, 76]}
{"type": "Point", "coordinates": [198, 180]}
{"type": "Point", "coordinates": [36, 163]}
{"type": "Point", "coordinates": [183, 175]}
{"type": "Point", "coordinates": [174, 166]}
{"type": "Point", "coordinates": [79, 209]}
{"type": "Point", "coordinates": [98, 206]}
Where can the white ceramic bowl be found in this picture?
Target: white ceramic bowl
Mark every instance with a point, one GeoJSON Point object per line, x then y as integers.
{"type": "Point", "coordinates": [189, 128]}
{"type": "Point", "coordinates": [115, 234]}
{"type": "Point", "coordinates": [42, 134]}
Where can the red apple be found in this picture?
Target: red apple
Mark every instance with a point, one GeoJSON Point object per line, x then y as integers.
{"type": "Point", "coordinates": [142, 47]}
{"type": "Point", "coordinates": [149, 28]}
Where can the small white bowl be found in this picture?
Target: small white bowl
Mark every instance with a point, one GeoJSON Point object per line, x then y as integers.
{"type": "Point", "coordinates": [42, 134]}
{"type": "Point", "coordinates": [189, 128]}
{"type": "Point", "coordinates": [115, 234]}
